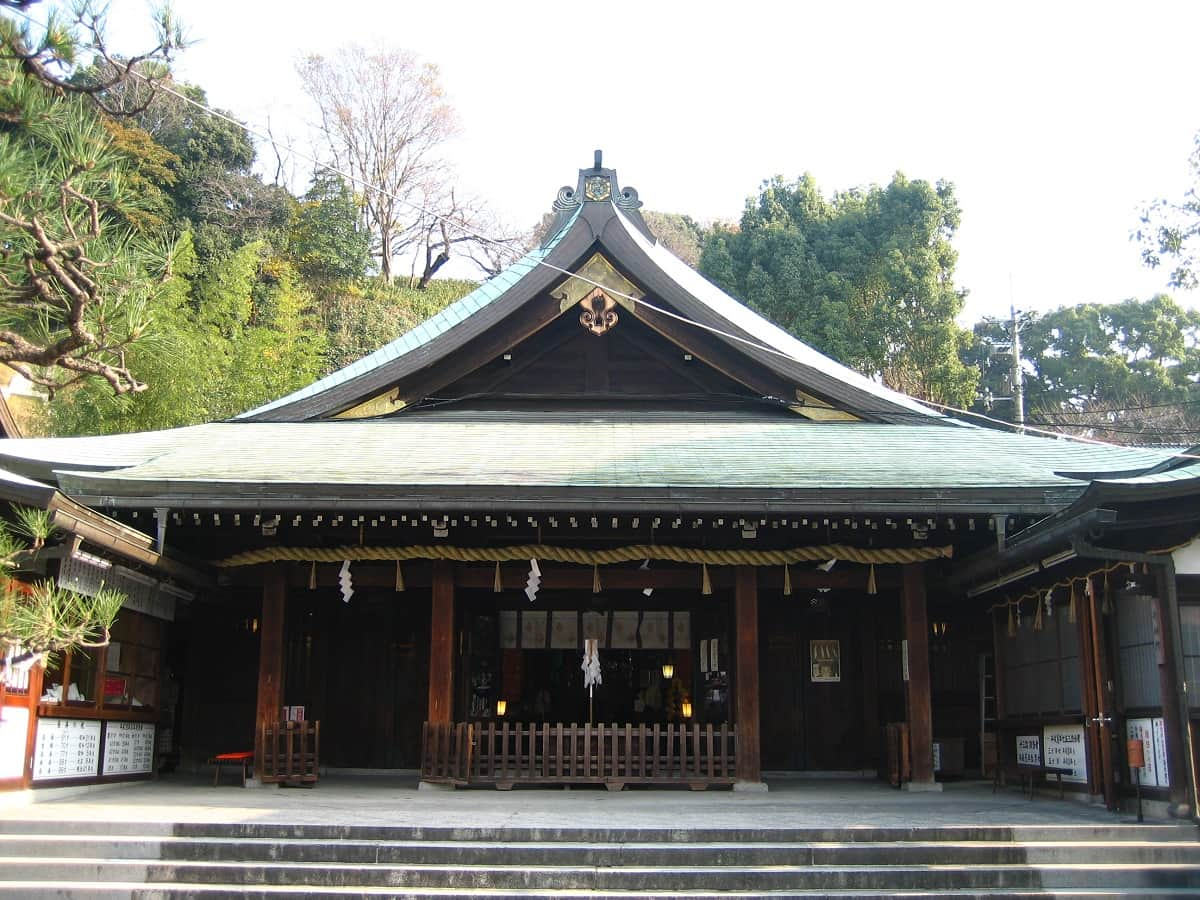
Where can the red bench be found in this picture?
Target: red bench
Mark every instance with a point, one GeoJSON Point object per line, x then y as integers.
{"type": "Point", "coordinates": [244, 757]}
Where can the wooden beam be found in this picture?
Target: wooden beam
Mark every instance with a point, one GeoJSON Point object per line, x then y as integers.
{"type": "Point", "coordinates": [745, 617]}
{"type": "Point", "coordinates": [270, 656]}
{"type": "Point", "coordinates": [441, 644]}
{"type": "Point", "coordinates": [917, 699]}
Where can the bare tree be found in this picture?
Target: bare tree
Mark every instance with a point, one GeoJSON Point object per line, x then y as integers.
{"type": "Point", "coordinates": [1136, 419]}
{"type": "Point", "coordinates": [467, 224]}
{"type": "Point", "coordinates": [384, 121]}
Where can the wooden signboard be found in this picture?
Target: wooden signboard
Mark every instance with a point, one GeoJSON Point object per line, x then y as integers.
{"type": "Point", "coordinates": [66, 748]}
{"type": "Point", "coordinates": [128, 748]}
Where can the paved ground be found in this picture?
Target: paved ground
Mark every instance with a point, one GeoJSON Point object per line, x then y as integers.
{"type": "Point", "coordinates": [394, 800]}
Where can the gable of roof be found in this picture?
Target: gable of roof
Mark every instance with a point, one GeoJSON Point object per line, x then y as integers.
{"type": "Point", "coordinates": [599, 217]}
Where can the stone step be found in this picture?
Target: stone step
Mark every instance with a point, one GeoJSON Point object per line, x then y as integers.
{"type": "Point", "coordinates": [1024, 833]}
{"type": "Point", "coordinates": [640, 879]}
{"type": "Point", "coordinates": [34, 890]}
{"type": "Point", "coordinates": [597, 854]}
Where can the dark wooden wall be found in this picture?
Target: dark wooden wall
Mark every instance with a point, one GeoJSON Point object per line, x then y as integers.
{"type": "Point", "coordinates": [563, 358]}
{"type": "Point", "coordinates": [818, 725]}
{"type": "Point", "coordinates": [362, 669]}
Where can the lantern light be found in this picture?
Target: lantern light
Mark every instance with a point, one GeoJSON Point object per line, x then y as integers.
{"type": "Point", "coordinates": [501, 707]}
{"type": "Point", "coordinates": [686, 709]}
{"type": "Point", "coordinates": [668, 670]}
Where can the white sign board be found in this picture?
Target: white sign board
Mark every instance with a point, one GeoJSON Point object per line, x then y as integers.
{"type": "Point", "coordinates": [14, 724]}
{"type": "Point", "coordinates": [1029, 749]}
{"type": "Point", "coordinates": [1153, 737]}
{"type": "Point", "coordinates": [66, 748]}
{"type": "Point", "coordinates": [1065, 749]}
{"type": "Point", "coordinates": [128, 748]}
{"type": "Point", "coordinates": [1160, 751]}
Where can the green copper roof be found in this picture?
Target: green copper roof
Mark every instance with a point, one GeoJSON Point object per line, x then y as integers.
{"type": "Point", "coordinates": [652, 455]}
{"type": "Point", "coordinates": [433, 327]}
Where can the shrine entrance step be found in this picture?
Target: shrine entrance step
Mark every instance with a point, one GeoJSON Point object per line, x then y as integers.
{"type": "Point", "coordinates": [104, 859]}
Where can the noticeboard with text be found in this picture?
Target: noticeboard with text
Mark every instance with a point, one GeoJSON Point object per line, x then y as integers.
{"type": "Point", "coordinates": [1065, 748]}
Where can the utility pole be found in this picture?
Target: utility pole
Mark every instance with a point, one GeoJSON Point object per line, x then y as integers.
{"type": "Point", "coordinates": [1018, 378]}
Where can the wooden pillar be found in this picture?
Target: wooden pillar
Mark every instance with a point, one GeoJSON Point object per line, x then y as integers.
{"type": "Point", "coordinates": [1105, 699]}
{"type": "Point", "coordinates": [917, 700]}
{"type": "Point", "coordinates": [36, 675]}
{"type": "Point", "coordinates": [270, 656]}
{"type": "Point", "coordinates": [870, 694]}
{"type": "Point", "coordinates": [1087, 681]}
{"type": "Point", "coordinates": [745, 615]}
{"type": "Point", "coordinates": [1168, 679]}
{"type": "Point", "coordinates": [441, 644]}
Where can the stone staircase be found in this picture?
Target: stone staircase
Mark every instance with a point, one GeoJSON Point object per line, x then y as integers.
{"type": "Point", "coordinates": [40, 859]}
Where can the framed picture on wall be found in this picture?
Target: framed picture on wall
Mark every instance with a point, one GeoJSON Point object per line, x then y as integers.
{"type": "Point", "coordinates": [825, 659]}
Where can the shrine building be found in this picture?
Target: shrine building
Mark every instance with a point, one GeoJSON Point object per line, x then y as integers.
{"type": "Point", "coordinates": [599, 522]}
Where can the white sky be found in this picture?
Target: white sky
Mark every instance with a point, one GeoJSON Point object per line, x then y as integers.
{"type": "Point", "coordinates": [1056, 120]}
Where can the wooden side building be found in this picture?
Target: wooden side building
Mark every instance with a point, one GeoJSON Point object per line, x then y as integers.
{"type": "Point", "coordinates": [783, 564]}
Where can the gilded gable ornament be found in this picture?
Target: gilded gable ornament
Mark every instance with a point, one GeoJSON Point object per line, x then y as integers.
{"type": "Point", "coordinates": [599, 312]}
{"type": "Point", "coordinates": [598, 187]}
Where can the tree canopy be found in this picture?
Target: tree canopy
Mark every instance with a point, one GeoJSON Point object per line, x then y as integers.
{"type": "Point", "coordinates": [79, 274]}
{"type": "Point", "coordinates": [1126, 371]}
{"type": "Point", "coordinates": [866, 276]}
{"type": "Point", "coordinates": [1169, 231]}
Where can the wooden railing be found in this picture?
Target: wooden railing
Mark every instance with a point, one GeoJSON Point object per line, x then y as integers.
{"type": "Point", "coordinates": [291, 752]}
{"type": "Point", "coordinates": [509, 753]}
{"type": "Point", "coordinates": [446, 752]}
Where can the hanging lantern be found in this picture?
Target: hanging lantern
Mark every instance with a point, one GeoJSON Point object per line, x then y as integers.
{"type": "Point", "coordinates": [686, 708]}
{"type": "Point", "coordinates": [668, 670]}
{"type": "Point", "coordinates": [501, 707]}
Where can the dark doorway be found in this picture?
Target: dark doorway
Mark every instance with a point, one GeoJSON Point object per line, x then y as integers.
{"type": "Point", "coordinates": [815, 695]}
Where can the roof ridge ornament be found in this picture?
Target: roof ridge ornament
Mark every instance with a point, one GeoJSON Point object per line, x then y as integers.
{"type": "Point", "coordinates": [596, 185]}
